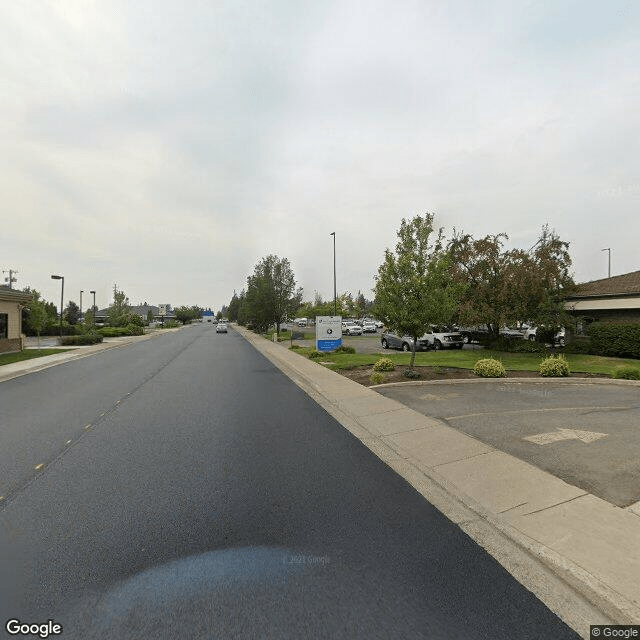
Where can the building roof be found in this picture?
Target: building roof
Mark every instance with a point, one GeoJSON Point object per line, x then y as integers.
{"type": "Point", "coordinates": [627, 284]}
{"type": "Point", "coordinates": [12, 295]}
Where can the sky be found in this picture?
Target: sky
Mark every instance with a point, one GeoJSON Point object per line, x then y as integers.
{"type": "Point", "coordinates": [167, 147]}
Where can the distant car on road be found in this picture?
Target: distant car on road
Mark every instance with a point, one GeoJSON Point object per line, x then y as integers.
{"type": "Point", "coordinates": [221, 327]}
{"type": "Point", "coordinates": [391, 340]}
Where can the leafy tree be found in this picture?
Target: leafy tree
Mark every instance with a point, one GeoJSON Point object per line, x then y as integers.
{"type": "Point", "coordinates": [505, 287]}
{"type": "Point", "coordinates": [72, 313]}
{"type": "Point", "coordinates": [150, 316]}
{"type": "Point", "coordinates": [37, 314]}
{"type": "Point", "coordinates": [414, 288]}
{"type": "Point", "coordinates": [118, 309]}
{"type": "Point", "coordinates": [187, 314]}
{"type": "Point", "coordinates": [271, 294]}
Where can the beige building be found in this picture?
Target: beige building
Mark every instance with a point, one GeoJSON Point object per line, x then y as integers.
{"type": "Point", "coordinates": [11, 304]}
{"type": "Point", "coordinates": [615, 299]}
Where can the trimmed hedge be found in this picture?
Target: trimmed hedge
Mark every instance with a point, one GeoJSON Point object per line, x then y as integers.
{"type": "Point", "coordinates": [384, 364]}
{"type": "Point", "coordinates": [626, 372]}
{"type": "Point", "coordinates": [554, 367]}
{"type": "Point", "coordinates": [618, 340]}
{"type": "Point", "coordinates": [489, 368]}
{"type": "Point", "coordinates": [87, 338]}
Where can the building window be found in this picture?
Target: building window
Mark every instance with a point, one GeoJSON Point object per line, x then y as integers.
{"type": "Point", "coordinates": [4, 326]}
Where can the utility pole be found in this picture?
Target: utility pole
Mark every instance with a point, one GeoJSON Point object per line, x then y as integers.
{"type": "Point", "coordinates": [335, 297]}
{"type": "Point", "coordinates": [609, 250]}
{"type": "Point", "coordinates": [10, 279]}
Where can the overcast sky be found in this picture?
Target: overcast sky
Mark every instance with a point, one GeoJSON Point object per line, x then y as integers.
{"type": "Point", "coordinates": [167, 147]}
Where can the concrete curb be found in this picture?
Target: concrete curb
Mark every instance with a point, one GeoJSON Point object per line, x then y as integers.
{"type": "Point", "coordinates": [474, 518]}
{"type": "Point", "coordinates": [567, 381]}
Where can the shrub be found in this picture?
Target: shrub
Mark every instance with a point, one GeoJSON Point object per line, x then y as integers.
{"type": "Point", "coordinates": [113, 332]}
{"type": "Point", "coordinates": [489, 368]}
{"type": "Point", "coordinates": [315, 354]}
{"type": "Point", "coordinates": [581, 346]}
{"type": "Point", "coordinates": [343, 349]}
{"type": "Point", "coordinates": [554, 367]}
{"type": "Point", "coordinates": [135, 329]}
{"type": "Point", "coordinates": [411, 374]}
{"type": "Point", "coordinates": [87, 338]}
{"type": "Point", "coordinates": [377, 378]}
{"type": "Point", "coordinates": [294, 347]}
{"type": "Point", "coordinates": [503, 343]}
{"type": "Point", "coordinates": [610, 339]}
{"type": "Point", "coordinates": [528, 346]}
{"type": "Point", "coordinates": [384, 364]}
{"type": "Point", "coordinates": [626, 372]}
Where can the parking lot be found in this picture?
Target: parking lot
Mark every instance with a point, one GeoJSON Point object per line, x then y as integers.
{"type": "Point", "coordinates": [584, 433]}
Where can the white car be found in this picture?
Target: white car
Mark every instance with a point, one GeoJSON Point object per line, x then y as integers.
{"type": "Point", "coordinates": [350, 328]}
{"type": "Point", "coordinates": [368, 327]}
{"type": "Point", "coordinates": [221, 327]}
{"type": "Point", "coordinates": [441, 338]}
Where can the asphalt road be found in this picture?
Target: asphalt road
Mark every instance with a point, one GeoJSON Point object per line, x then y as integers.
{"type": "Point", "coordinates": [188, 489]}
{"type": "Point", "coordinates": [585, 434]}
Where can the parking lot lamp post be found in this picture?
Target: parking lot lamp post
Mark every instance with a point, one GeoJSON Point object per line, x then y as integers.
{"type": "Point", "coordinates": [335, 297]}
{"type": "Point", "coordinates": [81, 292]}
{"type": "Point", "coordinates": [61, 299]}
{"type": "Point", "coordinates": [94, 303]}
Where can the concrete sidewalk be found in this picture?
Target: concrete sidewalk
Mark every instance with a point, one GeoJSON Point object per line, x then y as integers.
{"type": "Point", "coordinates": [508, 506]}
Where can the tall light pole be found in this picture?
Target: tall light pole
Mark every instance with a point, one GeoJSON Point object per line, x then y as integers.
{"type": "Point", "coordinates": [94, 304]}
{"type": "Point", "coordinates": [81, 292]}
{"type": "Point", "coordinates": [61, 299]}
{"type": "Point", "coordinates": [609, 250]}
{"type": "Point", "coordinates": [335, 296]}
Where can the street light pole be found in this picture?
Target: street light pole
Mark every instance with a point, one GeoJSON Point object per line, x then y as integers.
{"type": "Point", "coordinates": [94, 304]}
{"type": "Point", "coordinates": [81, 292]}
{"type": "Point", "coordinates": [335, 297]}
{"type": "Point", "coordinates": [61, 299]}
{"type": "Point", "coordinates": [609, 250]}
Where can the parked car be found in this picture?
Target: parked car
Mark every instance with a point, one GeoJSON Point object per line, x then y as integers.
{"type": "Point", "coordinates": [221, 327]}
{"type": "Point", "coordinates": [444, 338]}
{"type": "Point", "coordinates": [473, 334]}
{"type": "Point", "coordinates": [379, 324]}
{"type": "Point", "coordinates": [368, 327]}
{"type": "Point", "coordinates": [531, 333]}
{"type": "Point", "coordinates": [350, 328]}
{"type": "Point", "coordinates": [391, 340]}
{"type": "Point", "coordinates": [300, 322]}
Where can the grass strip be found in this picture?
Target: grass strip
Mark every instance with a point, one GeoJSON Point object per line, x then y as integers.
{"type": "Point", "coordinates": [28, 354]}
{"type": "Point", "coordinates": [466, 359]}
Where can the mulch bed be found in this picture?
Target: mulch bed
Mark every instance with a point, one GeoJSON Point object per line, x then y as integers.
{"type": "Point", "coordinates": [363, 374]}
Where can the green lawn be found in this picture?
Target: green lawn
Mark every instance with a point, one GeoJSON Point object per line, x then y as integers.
{"type": "Point", "coordinates": [466, 359]}
{"type": "Point", "coordinates": [28, 354]}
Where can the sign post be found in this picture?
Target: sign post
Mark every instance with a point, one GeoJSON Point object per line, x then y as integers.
{"type": "Point", "coordinates": [328, 332]}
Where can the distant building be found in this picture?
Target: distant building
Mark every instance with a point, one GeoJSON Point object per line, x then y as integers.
{"type": "Point", "coordinates": [615, 299]}
{"type": "Point", "coordinates": [141, 310]}
{"type": "Point", "coordinates": [11, 304]}
{"type": "Point", "coordinates": [208, 316]}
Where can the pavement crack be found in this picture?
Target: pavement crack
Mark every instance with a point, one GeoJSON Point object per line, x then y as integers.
{"type": "Point", "coordinates": [553, 506]}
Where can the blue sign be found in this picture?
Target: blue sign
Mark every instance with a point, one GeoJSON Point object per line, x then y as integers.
{"type": "Point", "coordinates": [329, 345]}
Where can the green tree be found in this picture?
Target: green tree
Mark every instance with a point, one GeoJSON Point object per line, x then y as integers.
{"type": "Point", "coordinates": [72, 313]}
{"type": "Point", "coordinates": [150, 316]}
{"type": "Point", "coordinates": [414, 288]}
{"type": "Point", "coordinates": [38, 314]}
{"type": "Point", "coordinates": [118, 309]}
{"type": "Point", "coordinates": [506, 287]}
{"type": "Point", "coordinates": [271, 294]}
